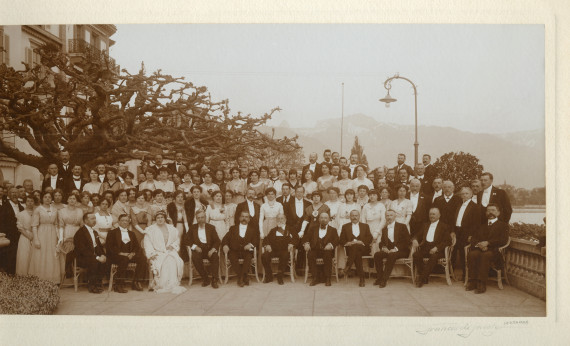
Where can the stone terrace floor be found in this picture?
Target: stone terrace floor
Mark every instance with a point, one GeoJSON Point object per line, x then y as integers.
{"type": "Point", "coordinates": [398, 298]}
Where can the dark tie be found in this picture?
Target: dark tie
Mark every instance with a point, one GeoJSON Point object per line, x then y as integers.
{"type": "Point", "coordinates": [78, 179]}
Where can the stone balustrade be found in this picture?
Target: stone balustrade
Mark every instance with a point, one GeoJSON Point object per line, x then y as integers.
{"type": "Point", "coordinates": [526, 267]}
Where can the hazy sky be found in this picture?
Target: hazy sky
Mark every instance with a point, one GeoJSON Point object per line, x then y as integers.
{"type": "Point", "coordinates": [479, 78]}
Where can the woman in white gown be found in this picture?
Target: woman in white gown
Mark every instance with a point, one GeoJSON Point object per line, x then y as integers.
{"type": "Point", "coordinates": [374, 214]}
{"type": "Point", "coordinates": [161, 244]}
{"type": "Point", "coordinates": [268, 213]}
{"type": "Point", "coordinates": [216, 214]}
{"type": "Point", "coordinates": [333, 203]}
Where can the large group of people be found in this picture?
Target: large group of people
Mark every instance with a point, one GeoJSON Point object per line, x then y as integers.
{"type": "Point", "coordinates": [164, 215]}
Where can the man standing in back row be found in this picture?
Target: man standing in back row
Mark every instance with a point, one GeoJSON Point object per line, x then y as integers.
{"type": "Point", "coordinates": [491, 194]}
{"type": "Point", "coordinates": [402, 165]}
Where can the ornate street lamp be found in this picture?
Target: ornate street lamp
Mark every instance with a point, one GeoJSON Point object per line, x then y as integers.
{"type": "Point", "coordinates": [389, 99]}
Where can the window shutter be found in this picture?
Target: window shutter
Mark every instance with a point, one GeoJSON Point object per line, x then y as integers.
{"type": "Point", "coordinates": [2, 47]}
{"type": "Point", "coordinates": [29, 57]}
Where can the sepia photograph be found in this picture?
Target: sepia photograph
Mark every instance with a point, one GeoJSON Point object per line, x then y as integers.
{"type": "Point", "coordinates": [273, 170]}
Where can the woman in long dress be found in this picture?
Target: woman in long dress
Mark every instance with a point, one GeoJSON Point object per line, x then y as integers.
{"type": "Point", "coordinates": [310, 185]}
{"type": "Point", "coordinates": [325, 181]}
{"type": "Point", "coordinates": [258, 186]}
{"type": "Point", "coordinates": [344, 183]}
{"type": "Point", "coordinates": [111, 182]}
{"type": "Point", "coordinates": [187, 184]}
{"type": "Point", "coordinates": [131, 197]}
{"type": "Point", "coordinates": [69, 220]}
{"type": "Point", "coordinates": [230, 209]}
{"type": "Point", "coordinates": [24, 224]}
{"type": "Point", "coordinates": [361, 179]}
{"type": "Point", "coordinates": [334, 204]}
{"type": "Point", "coordinates": [312, 212]}
{"type": "Point", "coordinates": [216, 214]}
{"type": "Point", "coordinates": [208, 187]}
{"type": "Point", "coordinates": [385, 194]}
{"type": "Point", "coordinates": [104, 220]}
{"type": "Point", "coordinates": [44, 262]}
{"type": "Point", "coordinates": [362, 196]}
{"type": "Point", "coordinates": [161, 245]}
{"type": "Point", "coordinates": [58, 199]}
{"type": "Point", "coordinates": [344, 209]}
{"type": "Point", "coordinates": [374, 214]}
{"type": "Point", "coordinates": [140, 217]}
{"type": "Point", "coordinates": [268, 213]}
{"type": "Point", "coordinates": [177, 215]}
{"type": "Point", "coordinates": [85, 202]}
{"type": "Point", "coordinates": [159, 202]}
{"type": "Point", "coordinates": [278, 184]}
{"type": "Point", "coordinates": [237, 186]}
{"type": "Point", "coordinates": [94, 185]}
{"type": "Point", "coordinates": [402, 206]}
{"type": "Point", "coordinates": [264, 176]}
{"type": "Point", "coordinates": [120, 207]}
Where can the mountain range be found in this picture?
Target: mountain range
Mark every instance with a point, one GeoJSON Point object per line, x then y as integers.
{"type": "Point", "coordinates": [517, 158]}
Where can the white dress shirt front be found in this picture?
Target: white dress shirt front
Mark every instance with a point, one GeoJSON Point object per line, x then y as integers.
{"type": "Point", "coordinates": [251, 208]}
{"type": "Point", "coordinates": [322, 232]}
{"type": "Point", "coordinates": [414, 198]}
{"type": "Point", "coordinates": [202, 234]}
{"type": "Point", "coordinates": [312, 167]}
{"type": "Point", "coordinates": [356, 229]}
{"type": "Point", "coordinates": [436, 194]}
{"type": "Point", "coordinates": [242, 230]}
{"type": "Point", "coordinates": [486, 196]}
{"type": "Point", "coordinates": [92, 234]}
{"type": "Point", "coordinates": [461, 212]}
{"type": "Point", "coordinates": [125, 235]}
{"type": "Point", "coordinates": [53, 181]}
{"type": "Point", "coordinates": [391, 231]}
{"type": "Point", "coordinates": [299, 207]}
{"type": "Point", "coordinates": [431, 231]}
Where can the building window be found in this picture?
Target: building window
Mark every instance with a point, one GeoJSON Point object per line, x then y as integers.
{"type": "Point", "coordinates": [32, 57]}
{"type": "Point", "coordinates": [4, 48]}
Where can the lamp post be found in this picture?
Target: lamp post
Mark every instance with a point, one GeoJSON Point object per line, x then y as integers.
{"type": "Point", "coordinates": [389, 99]}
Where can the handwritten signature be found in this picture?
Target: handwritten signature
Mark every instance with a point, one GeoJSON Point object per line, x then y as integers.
{"type": "Point", "coordinates": [465, 330]}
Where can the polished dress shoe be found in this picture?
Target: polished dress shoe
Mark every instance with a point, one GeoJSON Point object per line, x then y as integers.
{"type": "Point", "coordinates": [382, 284]}
{"type": "Point", "coordinates": [280, 279]}
{"type": "Point", "coordinates": [362, 282]}
{"type": "Point", "coordinates": [268, 279]}
{"type": "Point", "coordinates": [377, 282]}
{"type": "Point", "coordinates": [240, 283]}
{"type": "Point", "coordinates": [328, 282]}
{"type": "Point", "coordinates": [119, 288]}
{"type": "Point", "coordinates": [94, 289]}
{"type": "Point", "coordinates": [471, 285]}
{"type": "Point", "coordinates": [246, 280]}
{"type": "Point", "coordinates": [137, 286]}
{"type": "Point", "coordinates": [206, 282]}
{"type": "Point", "coordinates": [214, 283]}
{"type": "Point", "coordinates": [314, 282]}
{"type": "Point", "coordinates": [419, 283]}
{"type": "Point", "coordinates": [481, 287]}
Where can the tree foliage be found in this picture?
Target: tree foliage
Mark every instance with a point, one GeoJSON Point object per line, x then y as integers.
{"type": "Point", "coordinates": [359, 150]}
{"type": "Point", "coordinates": [458, 167]}
{"type": "Point", "coordinates": [100, 116]}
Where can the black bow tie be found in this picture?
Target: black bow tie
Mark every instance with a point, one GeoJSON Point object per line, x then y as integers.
{"type": "Point", "coordinates": [77, 179]}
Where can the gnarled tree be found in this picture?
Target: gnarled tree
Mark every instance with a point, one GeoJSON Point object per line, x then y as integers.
{"type": "Point", "coordinates": [100, 116]}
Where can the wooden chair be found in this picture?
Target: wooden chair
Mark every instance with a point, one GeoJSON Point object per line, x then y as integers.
{"type": "Point", "coordinates": [321, 262]}
{"type": "Point", "coordinates": [369, 258]}
{"type": "Point", "coordinates": [408, 262]}
{"type": "Point", "coordinates": [445, 262]}
{"type": "Point", "coordinates": [493, 266]}
{"type": "Point", "coordinates": [77, 271]}
{"type": "Point", "coordinates": [253, 266]}
{"type": "Point", "coordinates": [291, 264]}
{"type": "Point", "coordinates": [205, 262]}
{"type": "Point", "coordinates": [130, 267]}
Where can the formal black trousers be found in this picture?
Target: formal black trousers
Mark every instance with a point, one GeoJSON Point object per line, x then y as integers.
{"type": "Point", "coordinates": [95, 269]}
{"type": "Point", "coordinates": [197, 261]}
{"type": "Point", "coordinates": [479, 263]}
{"type": "Point", "coordinates": [391, 257]}
{"type": "Point", "coordinates": [234, 257]}
{"type": "Point", "coordinates": [122, 263]}
{"type": "Point", "coordinates": [459, 250]}
{"type": "Point", "coordinates": [283, 256]}
{"type": "Point", "coordinates": [420, 254]}
{"type": "Point", "coordinates": [326, 255]}
{"type": "Point", "coordinates": [354, 255]}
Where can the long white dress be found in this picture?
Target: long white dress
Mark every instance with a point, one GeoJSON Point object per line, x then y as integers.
{"type": "Point", "coordinates": [268, 216]}
{"type": "Point", "coordinates": [166, 265]}
{"type": "Point", "coordinates": [375, 217]}
{"type": "Point", "coordinates": [343, 214]}
{"type": "Point", "coordinates": [334, 207]}
{"type": "Point", "coordinates": [217, 217]}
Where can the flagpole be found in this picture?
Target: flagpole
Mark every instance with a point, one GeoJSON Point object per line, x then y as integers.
{"type": "Point", "coordinates": [342, 120]}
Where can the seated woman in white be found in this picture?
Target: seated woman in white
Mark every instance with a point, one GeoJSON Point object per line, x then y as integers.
{"type": "Point", "coordinates": [161, 244]}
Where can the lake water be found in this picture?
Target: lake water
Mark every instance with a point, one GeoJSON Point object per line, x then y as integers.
{"type": "Point", "coordinates": [532, 216]}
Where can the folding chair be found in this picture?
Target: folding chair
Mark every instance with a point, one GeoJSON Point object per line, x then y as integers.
{"type": "Point", "coordinates": [253, 266]}
{"type": "Point", "coordinates": [205, 262]}
{"type": "Point", "coordinates": [291, 264]}
{"type": "Point", "coordinates": [77, 271]}
{"type": "Point", "coordinates": [321, 262]}
{"type": "Point", "coordinates": [493, 266]}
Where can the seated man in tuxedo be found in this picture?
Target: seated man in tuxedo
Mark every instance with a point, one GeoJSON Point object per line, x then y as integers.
{"type": "Point", "coordinates": [484, 249]}
{"type": "Point", "coordinates": [90, 253]}
{"type": "Point", "coordinates": [279, 242]}
{"type": "Point", "coordinates": [356, 239]}
{"type": "Point", "coordinates": [204, 243]}
{"type": "Point", "coordinates": [434, 238]}
{"type": "Point", "coordinates": [239, 243]}
{"type": "Point", "coordinates": [394, 244]}
{"type": "Point", "coordinates": [320, 242]}
{"type": "Point", "coordinates": [123, 248]}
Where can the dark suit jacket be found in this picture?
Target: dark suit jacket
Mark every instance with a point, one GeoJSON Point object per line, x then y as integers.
{"type": "Point", "coordinates": [497, 234]}
{"type": "Point", "coordinates": [212, 239]}
{"type": "Point", "coordinates": [285, 205]}
{"type": "Point", "coordinates": [471, 219]}
{"type": "Point", "coordinates": [441, 238]}
{"type": "Point", "coordinates": [312, 237]}
{"type": "Point", "coordinates": [280, 243]}
{"type": "Point", "coordinates": [308, 216]}
{"type": "Point", "coordinates": [365, 236]}
{"type": "Point", "coordinates": [316, 174]}
{"type": "Point", "coordinates": [430, 172]}
{"type": "Point", "coordinates": [60, 183]}
{"type": "Point", "coordinates": [65, 173]}
{"type": "Point", "coordinates": [8, 222]}
{"type": "Point", "coordinates": [408, 169]}
{"type": "Point", "coordinates": [70, 185]}
{"type": "Point", "coordinates": [84, 245]}
{"type": "Point", "coordinates": [254, 219]}
{"type": "Point", "coordinates": [448, 210]}
{"type": "Point", "coordinates": [293, 220]}
{"type": "Point", "coordinates": [115, 241]}
{"type": "Point", "coordinates": [401, 238]}
{"type": "Point", "coordinates": [420, 215]}
{"type": "Point", "coordinates": [426, 187]}
{"type": "Point", "coordinates": [172, 167]}
{"type": "Point", "coordinates": [190, 208]}
{"type": "Point", "coordinates": [501, 198]}
{"type": "Point", "coordinates": [237, 243]}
